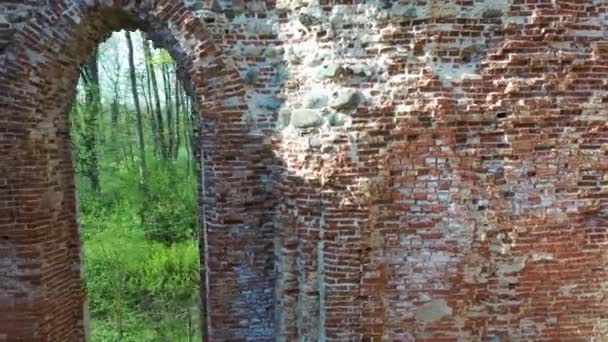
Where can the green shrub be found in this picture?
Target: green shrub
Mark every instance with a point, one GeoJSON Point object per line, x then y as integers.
{"type": "Point", "coordinates": [171, 208]}
{"type": "Point", "coordinates": [129, 279]}
{"type": "Point", "coordinates": [142, 278]}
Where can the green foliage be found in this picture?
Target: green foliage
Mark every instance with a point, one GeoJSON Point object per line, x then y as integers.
{"type": "Point", "coordinates": [171, 208]}
{"type": "Point", "coordinates": [163, 57]}
{"type": "Point", "coordinates": [141, 258]}
{"type": "Point", "coordinates": [121, 264]}
{"type": "Point", "coordinates": [138, 289]}
{"type": "Point", "coordinates": [142, 283]}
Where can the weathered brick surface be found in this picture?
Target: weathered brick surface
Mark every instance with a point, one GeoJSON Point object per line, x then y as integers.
{"type": "Point", "coordinates": [41, 294]}
{"type": "Point", "coordinates": [374, 170]}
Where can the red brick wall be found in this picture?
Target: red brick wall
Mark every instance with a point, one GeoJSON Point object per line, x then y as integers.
{"type": "Point", "coordinates": [374, 170]}
{"type": "Point", "coordinates": [41, 292]}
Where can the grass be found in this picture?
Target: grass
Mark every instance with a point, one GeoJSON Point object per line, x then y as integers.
{"type": "Point", "coordinates": [141, 288]}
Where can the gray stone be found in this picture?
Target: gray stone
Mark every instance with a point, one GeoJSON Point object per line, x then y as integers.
{"type": "Point", "coordinates": [306, 118]}
{"type": "Point", "coordinates": [216, 7]}
{"type": "Point", "coordinates": [492, 13]}
{"type": "Point", "coordinates": [284, 116]}
{"type": "Point", "coordinates": [332, 71]}
{"type": "Point", "coordinates": [255, 6]}
{"type": "Point", "coordinates": [385, 4]}
{"type": "Point", "coordinates": [280, 75]}
{"type": "Point", "coordinates": [250, 76]}
{"type": "Point", "coordinates": [335, 71]}
{"type": "Point", "coordinates": [258, 27]}
{"type": "Point", "coordinates": [273, 52]}
{"type": "Point", "coordinates": [268, 102]}
{"type": "Point", "coordinates": [234, 9]}
{"type": "Point", "coordinates": [252, 51]}
{"type": "Point", "coordinates": [315, 142]}
{"type": "Point", "coordinates": [233, 101]}
{"type": "Point", "coordinates": [338, 119]}
{"type": "Point", "coordinates": [345, 100]}
{"type": "Point", "coordinates": [515, 265]}
{"type": "Point", "coordinates": [361, 69]}
{"type": "Point", "coordinates": [315, 100]}
{"type": "Point", "coordinates": [402, 12]}
{"type": "Point", "coordinates": [308, 20]}
{"type": "Point", "coordinates": [433, 311]}
{"type": "Point", "coordinates": [316, 59]}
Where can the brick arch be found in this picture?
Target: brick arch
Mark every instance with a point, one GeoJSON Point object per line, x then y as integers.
{"type": "Point", "coordinates": [41, 294]}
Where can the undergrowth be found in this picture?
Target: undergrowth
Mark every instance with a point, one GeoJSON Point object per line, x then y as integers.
{"type": "Point", "coordinates": [142, 286]}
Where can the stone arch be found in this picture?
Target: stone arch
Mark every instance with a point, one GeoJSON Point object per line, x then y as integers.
{"type": "Point", "coordinates": [41, 294]}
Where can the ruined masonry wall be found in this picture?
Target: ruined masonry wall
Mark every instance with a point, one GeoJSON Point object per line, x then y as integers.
{"type": "Point", "coordinates": [416, 170]}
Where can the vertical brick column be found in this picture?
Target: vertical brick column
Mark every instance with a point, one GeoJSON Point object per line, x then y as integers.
{"type": "Point", "coordinates": [238, 250]}
{"type": "Point", "coordinates": [41, 288]}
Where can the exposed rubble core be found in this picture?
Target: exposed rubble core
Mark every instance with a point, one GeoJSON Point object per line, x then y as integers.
{"type": "Point", "coordinates": [375, 170]}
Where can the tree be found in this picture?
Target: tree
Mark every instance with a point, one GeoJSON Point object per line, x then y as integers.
{"type": "Point", "coordinates": [168, 108]}
{"type": "Point", "coordinates": [113, 68]}
{"type": "Point", "coordinates": [177, 115]}
{"type": "Point", "coordinates": [159, 115]}
{"type": "Point", "coordinates": [143, 170]}
{"type": "Point", "coordinates": [90, 160]}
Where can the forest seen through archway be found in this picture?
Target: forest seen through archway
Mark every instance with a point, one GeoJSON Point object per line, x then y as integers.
{"type": "Point", "coordinates": [134, 136]}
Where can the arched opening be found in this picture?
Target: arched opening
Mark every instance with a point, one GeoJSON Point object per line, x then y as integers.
{"type": "Point", "coordinates": [134, 137]}
{"type": "Point", "coordinates": [43, 296]}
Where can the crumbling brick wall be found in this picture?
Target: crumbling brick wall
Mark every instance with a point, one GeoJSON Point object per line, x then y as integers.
{"type": "Point", "coordinates": [375, 170]}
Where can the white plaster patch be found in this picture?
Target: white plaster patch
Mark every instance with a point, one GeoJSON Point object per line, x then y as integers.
{"type": "Point", "coordinates": [10, 272]}
{"type": "Point", "coordinates": [449, 72]}
{"type": "Point", "coordinates": [514, 266]}
{"type": "Point", "coordinates": [432, 311]}
{"type": "Point", "coordinates": [490, 8]}
{"type": "Point", "coordinates": [35, 58]}
{"type": "Point", "coordinates": [541, 256]}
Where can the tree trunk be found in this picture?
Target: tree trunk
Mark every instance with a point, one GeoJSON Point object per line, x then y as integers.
{"type": "Point", "coordinates": [194, 133]}
{"type": "Point", "coordinates": [143, 170]}
{"type": "Point", "coordinates": [114, 71]}
{"type": "Point", "coordinates": [114, 114]}
{"type": "Point", "coordinates": [177, 116]}
{"type": "Point", "coordinates": [187, 130]}
{"type": "Point", "coordinates": [159, 115]}
{"type": "Point", "coordinates": [149, 106]}
{"type": "Point", "coordinates": [169, 109]}
{"type": "Point", "coordinates": [90, 77]}
{"type": "Point", "coordinates": [148, 113]}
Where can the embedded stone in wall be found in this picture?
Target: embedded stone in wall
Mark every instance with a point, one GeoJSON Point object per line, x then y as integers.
{"type": "Point", "coordinates": [433, 311]}
{"type": "Point", "coordinates": [345, 100]}
{"type": "Point", "coordinates": [306, 118]}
